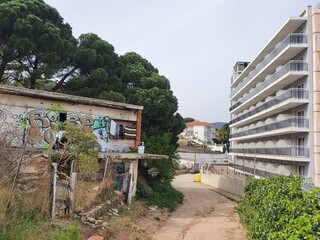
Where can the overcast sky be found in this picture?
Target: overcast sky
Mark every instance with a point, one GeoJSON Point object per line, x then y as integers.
{"type": "Point", "coordinates": [194, 43]}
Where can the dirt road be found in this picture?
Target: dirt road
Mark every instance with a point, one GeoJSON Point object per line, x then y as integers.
{"type": "Point", "coordinates": [205, 214]}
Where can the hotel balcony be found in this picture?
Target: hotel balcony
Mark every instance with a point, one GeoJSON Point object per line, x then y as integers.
{"type": "Point", "coordinates": [293, 153]}
{"type": "Point", "coordinates": [288, 74]}
{"type": "Point", "coordinates": [282, 127]}
{"type": "Point", "coordinates": [288, 27]}
{"type": "Point", "coordinates": [284, 100]}
{"type": "Point", "coordinates": [287, 49]}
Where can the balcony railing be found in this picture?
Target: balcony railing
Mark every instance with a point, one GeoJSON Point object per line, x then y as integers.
{"type": "Point", "coordinates": [253, 171]}
{"type": "Point", "coordinates": [297, 93]}
{"type": "Point", "coordinates": [294, 38]}
{"type": "Point", "coordinates": [290, 66]}
{"type": "Point", "coordinates": [296, 122]}
{"type": "Point", "coordinates": [295, 151]}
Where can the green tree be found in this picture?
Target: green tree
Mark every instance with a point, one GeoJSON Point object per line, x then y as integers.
{"type": "Point", "coordinates": [134, 69]}
{"type": "Point", "coordinates": [112, 96]}
{"type": "Point", "coordinates": [97, 66]}
{"type": "Point", "coordinates": [223, 136]}
{"type": "Point", "coordinates": [34, 42]}
{"type": "Point", "coordinates": [188, 119]}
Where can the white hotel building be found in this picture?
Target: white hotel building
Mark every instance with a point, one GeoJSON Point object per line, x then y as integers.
{"type": "Point", "coordinates": [275, 103]}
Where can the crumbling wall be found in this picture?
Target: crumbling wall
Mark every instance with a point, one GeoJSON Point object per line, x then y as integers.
{"type": "Point", "coordinates": [34, 173]}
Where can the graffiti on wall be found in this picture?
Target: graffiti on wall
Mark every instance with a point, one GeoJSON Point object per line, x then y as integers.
{"type": "Point", "coordinates": [42, 125]}
{"type": "Point", "coordinates": [102, 126]}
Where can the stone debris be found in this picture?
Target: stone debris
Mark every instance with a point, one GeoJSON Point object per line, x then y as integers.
{"type": "Point", "coordinates": [91, 219]}
{"type": "Point", "coordinates": [153, 208]}
{"type": "Point", "coordinates": [98, 222]}
{"type": "Point", "coordinates": [94, 226]}
{"type": "Point", "coordinates": [34, 173]}
{"type": "Point", "coordinates": [93, 222]}
{"type": "Point", "coordinates": [94, 219]}
{"type": "Point", "coordinates": [95, 238]}
{"type": "Point", "coordinates": [92, 211]}
{"type": "Point", "coordinates": [114, 210]}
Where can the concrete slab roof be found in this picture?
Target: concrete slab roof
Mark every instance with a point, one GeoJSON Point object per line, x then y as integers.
{"type": "Point", "coordinates": [66, 97]}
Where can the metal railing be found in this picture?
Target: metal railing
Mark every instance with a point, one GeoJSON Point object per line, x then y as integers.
{"type": "Point", "coordinates": [296, 151]}
{"type": "Point", "coordinates": [293, 38]}
{"type": "Point", "coordinates": [296, 93]}
{"type": "Point", "coordinates": [295, 65]}
{"type": "Point", "coordinates": [297, 122]}
{"type": "Point", "coordinates": [253, 171]}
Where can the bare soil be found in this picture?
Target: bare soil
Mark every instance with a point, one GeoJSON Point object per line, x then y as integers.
{"type": "Point", "coordinates": [205, 214]}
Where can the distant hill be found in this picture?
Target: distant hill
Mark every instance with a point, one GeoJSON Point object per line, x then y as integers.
{"type": "Point", "coordinates": [219, 124]}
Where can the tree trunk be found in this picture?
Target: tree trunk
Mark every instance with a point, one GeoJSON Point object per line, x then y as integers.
{"type": "Point", "coordinates": [3, 68]}
{"type": "Point", "coordinates": [34, 75]}
{"type": "Point", "coordinates": [59, 84]}
{"type": "Point", "coordinates": [33, 81]}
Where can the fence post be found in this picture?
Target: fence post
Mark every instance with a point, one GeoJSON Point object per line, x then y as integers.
{"type": "Point", "coordinates": [54, 189]}
{"type": "Point", "coordinates": [105, 167]}
{"type": "Point", "coordinates": [130, 182]}
{"type": "Point", "coordinates": [73, 182]}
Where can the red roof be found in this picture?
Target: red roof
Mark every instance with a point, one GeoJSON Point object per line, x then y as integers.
{"type": "Point", "coordinates": [198, 123]}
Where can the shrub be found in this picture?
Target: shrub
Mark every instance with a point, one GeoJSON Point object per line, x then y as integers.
{"type": "Point", "coordinates": [80, 146]}
{"type": "Point", "coordinates": [276, 208]}
{"type": "Point", "coordinates": [29, 229]}
{"type": "Point", "coordinates": [161, 194]}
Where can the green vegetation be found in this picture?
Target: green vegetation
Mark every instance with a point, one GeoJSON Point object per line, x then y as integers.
{"type": "Point", "coordinates": [30, 230]}
{"type": "Point", "coordinates": [27, 217]}
{"type": "Point", "coordinates": [83, 148]}
{"type": "Point", "coordinates": [36, 46]}
{"type": "Point", "coordinates": [162, 195]}
{"type": "Point", "coordinates": [223, 136]}
{"type": "Point", "coordinates": [35, 43]}
{"type": "Point", "coordinates": [277, 208]}
{"type": "Point", "coordinates": [188, 119]}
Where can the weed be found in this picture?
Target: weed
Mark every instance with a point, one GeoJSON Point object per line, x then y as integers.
{"type": "Point", "coordinates": [162, 195]}
{"type": "Point", "coordinates": [72, 233]}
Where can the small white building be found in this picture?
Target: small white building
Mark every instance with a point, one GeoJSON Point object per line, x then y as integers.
{"type": "Point", "coordinates": [200, 132]}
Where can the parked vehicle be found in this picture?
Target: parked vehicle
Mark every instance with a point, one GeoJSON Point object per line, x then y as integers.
{"type": "Point", "coordinates": [194, 171]}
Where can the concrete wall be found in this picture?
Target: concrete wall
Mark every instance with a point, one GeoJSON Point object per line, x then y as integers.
{"type": "Point", "coordinates": [316, 92]}
{"type": "Point", "coordinates": [230, 183]}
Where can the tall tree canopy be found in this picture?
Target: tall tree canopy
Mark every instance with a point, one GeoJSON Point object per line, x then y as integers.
{"type": "Point", "coordinates": [34, 42]}
{"type": "Point", "coordinates": [36, 46]}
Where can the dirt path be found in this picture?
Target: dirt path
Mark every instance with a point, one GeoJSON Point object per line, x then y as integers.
{"type": "Point", "coordinates": [205, 214]}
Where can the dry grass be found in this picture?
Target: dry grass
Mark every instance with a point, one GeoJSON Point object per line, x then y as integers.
{"type": "Point", "coordinates": [137, 222]}
{"type": "Point", "coordinates": [23, 205]}
{"type": "Point", "coordinates": [90, 193]}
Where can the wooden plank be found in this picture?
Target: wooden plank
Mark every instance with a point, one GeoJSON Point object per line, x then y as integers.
{"type": "Point", "coordinates": [132, 156]}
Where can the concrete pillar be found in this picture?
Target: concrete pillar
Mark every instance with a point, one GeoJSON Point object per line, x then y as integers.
{"type": "Point", "coordinates": [316, 93]}
{"type": "Point", "coordinates": [130, 182]}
